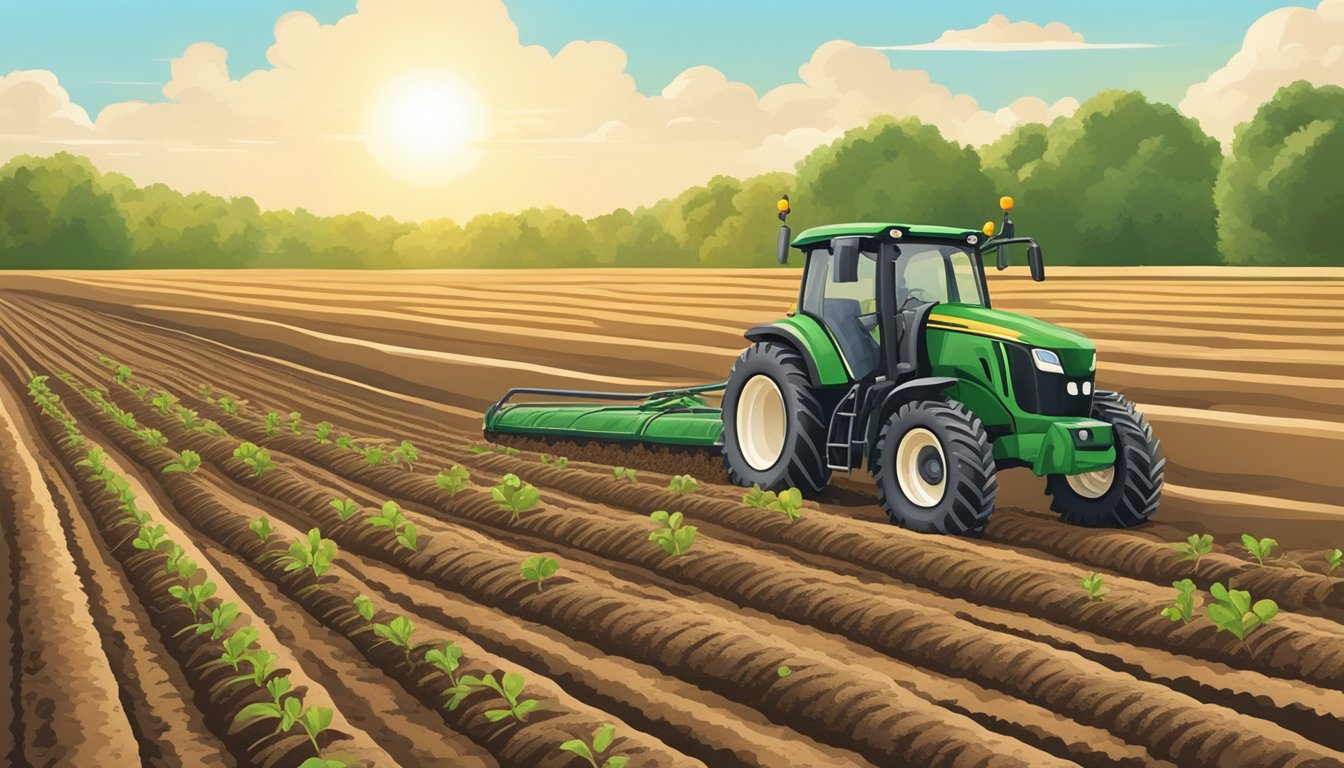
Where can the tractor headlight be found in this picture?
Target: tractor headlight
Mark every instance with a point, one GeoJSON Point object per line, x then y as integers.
{"type": "Point", "coordinates": [1047, 361]}
{"type": "Point", "coordinates": [1094, 362]}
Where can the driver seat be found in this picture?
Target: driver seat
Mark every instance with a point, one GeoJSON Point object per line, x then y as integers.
{"type": "Point", "coordinates": [856, 342]}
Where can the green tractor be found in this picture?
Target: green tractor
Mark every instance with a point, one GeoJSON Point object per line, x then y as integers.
{"type": "Point", "coordinates": [895, 360]}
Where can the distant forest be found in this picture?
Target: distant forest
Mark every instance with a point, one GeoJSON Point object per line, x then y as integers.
{"type": "Point", "coordinates": [1122, 181]}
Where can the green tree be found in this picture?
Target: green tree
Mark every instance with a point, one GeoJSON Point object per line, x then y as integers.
{"type": "Point", "coordinates": [892, 171]}
{"type": "Point", "coordinates": [1279, 193]}
{"type": "Point", "coordinates": [1121, 181]}
{"type": "Point", "coordinates": [56, 213]}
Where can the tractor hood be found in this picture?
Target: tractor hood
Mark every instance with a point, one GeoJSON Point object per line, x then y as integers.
{"type": "Point", "coordinates": [1075, 350]}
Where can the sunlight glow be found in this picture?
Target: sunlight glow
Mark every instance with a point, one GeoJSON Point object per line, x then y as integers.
{"type": "Point", "coordinates": [423, 125]}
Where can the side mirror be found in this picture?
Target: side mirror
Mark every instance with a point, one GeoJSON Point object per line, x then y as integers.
{"type": "Point", "coordinates": [1037, 263]}
{"type": "Point", "coordinates": [846, 268]}
{"type": "Point", "coordinates": [784, 237]}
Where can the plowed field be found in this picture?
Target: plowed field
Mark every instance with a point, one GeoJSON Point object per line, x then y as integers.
{"type": "Point", "coordinates": [832, 640]}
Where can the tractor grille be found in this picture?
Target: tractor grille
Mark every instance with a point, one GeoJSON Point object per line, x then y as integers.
{"type": "Point", "coordinates": [1045, 393]}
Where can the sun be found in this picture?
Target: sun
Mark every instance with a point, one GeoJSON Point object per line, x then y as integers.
{"type": "Point", "coordinates": [423, 126]}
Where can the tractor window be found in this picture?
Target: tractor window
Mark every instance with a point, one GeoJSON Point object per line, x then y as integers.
{"type": "Point", "coordinates": [842, 297]}
{"type": "Point", "coordinates": [965, 278]}
{"type": "Point", "coordinates": [943, 274]}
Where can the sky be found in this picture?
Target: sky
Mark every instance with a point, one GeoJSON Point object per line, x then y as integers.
{"type": "Point", "coordinates": [759, 43]}
{"type": "Point", "coordinates": [427, 108]}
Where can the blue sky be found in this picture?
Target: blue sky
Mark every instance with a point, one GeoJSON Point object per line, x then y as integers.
{"type": "Point", "coordinates": [99, 49]}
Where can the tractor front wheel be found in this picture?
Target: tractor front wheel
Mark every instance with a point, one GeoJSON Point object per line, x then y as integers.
{"type": "Point", "coordinates": [1120, 496]}
{"type": "Point", "coordinates": [934, 469]}
{"type": "Point", "coordinates": [774, 423]}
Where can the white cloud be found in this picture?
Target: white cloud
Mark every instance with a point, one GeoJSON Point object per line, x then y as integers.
{"type": "Point", "coordinates": [1001, 35]}
{"type": "Point", "coordinates": [567, 129]}
{"type": "Point", "coordinates": [1281, 47]}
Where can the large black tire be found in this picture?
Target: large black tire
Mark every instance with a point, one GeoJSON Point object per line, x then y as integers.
{"type": "Point", "coordinates": [801, 461]}
{"type": "Point", "coordinates": [1136, 484]}
{"type": "Point", "coordinates": [968, 480]}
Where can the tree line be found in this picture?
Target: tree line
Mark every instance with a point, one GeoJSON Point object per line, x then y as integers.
{"type": "Point", "coordinates": [1121, 181]}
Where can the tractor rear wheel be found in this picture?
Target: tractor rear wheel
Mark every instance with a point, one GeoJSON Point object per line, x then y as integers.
{"type": "Point", "coordinates": [934, 469]}
{"type": "Point", "coordinates": [1125, 494]}
{"type": "Point", "coordinates": [774, 423]}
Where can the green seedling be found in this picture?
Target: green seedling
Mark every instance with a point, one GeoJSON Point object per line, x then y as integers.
{"type": "Point", "coordinates": [478, 449]}
{"type": "Point", "coordinates": [1334, 559]}
{"type": "Point", "coordinates": [164, 402]}
{"type": "Point", "coordinates": [323, 432]}
{"type": "Point", "coordinates": [179, 564]}
{"type": "Point", "coordinates": [212, 428]}
{"type": "Point", "coordinates": [783, 672]}
{"type": "Point", "coordinates": [594, 750]}
{"type": "Point", "coordinates": [272, 424]}
{"type": "Point", "coordinates": [229, 405]}
{"type": "Point", "coordinates": [374, 456]}
{"type": "Point", "coordinates": [193, 596]}
{"type": "Point", "coordinates": [237, 646]}
{"type": "Point", "coordinates": [221, 618]}
{"type": "Point", "coordinates": [313, 721]}
{"type": "Point", "coordinates": [1183, 606]}
{"type": "Point", "coordinates": [789, 503]}
{"type": "Point", "coordinates": [1259, 549]}
{"type": "Point", "coordinates": [124, 374]}
{"type": "Point", "coordinates": [509, 690]}
{"type": "Point", "coordinates": [95, 460]}
{"type": "Point", "coordinates": [346, 442]}
{"type": "Point", "coordinates": [263, 666]}
{"type": "Point", "coordinates": [296, 423]}
{"type": "Point", "coordinates": [397, 632]}
{"type": "Point", "coordinates": [344, 507]}
{"type": "Point", "coordinates": [758, 498]}
{"type": "Point", "coordinates": [151, 539]}
{"type": "Point", "coordinates": [259, 459]}
{"type": "Point", "coordinates": [190, 419]}
{"type": "Point", "coordinates": [1195, 547]}
{"type": "Point", "coordinates": [446, 659]}
{"type": "Point", "coordinates": [559, 462]}
{"type": "Point", "coordinates": [505, 450]}
{"type": "Point", "coordinates": [624, 473]}
{"type": "Point", "coordinates": [205, 391]}
{"type": "Point", "coordinates": [141, 391]}
{"type": "Point", "coordinates": [407, 537]}
{"type": "Point", "coordinates": [672, 534]}
{"type": "Point", "coordinates": [683, 484]}
{"type": "Point", "coordinates": [262, 527]}
{"type": "Point", "coordinates": [389, 516]}
{"type": "Point", "coordinates": [174, 552]}
{"type": "Point", "coordinates": [454, 480]}
{"type": "Point", "coordinates": [405, 453]}
{"type": "Point", "coordinates": [1234, 613]}
{"type": "Point", "coordinates": [188, 461]}
{"type": "Point", "coordinates": [313, 553]}
{"type": "Point", "coordinates": [323, 762]}
{"type": "Point", "coordinates": [514, 495]}
{"type": "Point", "coordinates": [1095, 583]}
{"type": "Point", "coordinates": [364, 607]}
{"type": "Point", "coordinates": [539, 568]}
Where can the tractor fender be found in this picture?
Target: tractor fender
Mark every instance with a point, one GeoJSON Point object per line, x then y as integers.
{"type": "Point", "coordinates": [886, 399]}
{"type": "Point", "coordinates": [825, 367]}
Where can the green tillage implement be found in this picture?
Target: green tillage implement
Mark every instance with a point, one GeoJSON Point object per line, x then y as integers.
{"type": "Point", "coordinates": [675, 417]}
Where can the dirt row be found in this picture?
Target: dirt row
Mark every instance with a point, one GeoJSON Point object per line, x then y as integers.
{"type": "Point", "coordinates": [354, 471]}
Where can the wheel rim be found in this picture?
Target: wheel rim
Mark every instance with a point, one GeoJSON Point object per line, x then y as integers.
{"type": "Point", "coordinates": [761, 425]}
{"type": "Point", "coordinates": [921, 467]}
{"type": "Point", "coordinates": [1092, 485]}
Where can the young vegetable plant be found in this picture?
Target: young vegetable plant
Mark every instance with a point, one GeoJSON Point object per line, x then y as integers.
{"type": "Point", "coordinates": [683, 484]}
{"type": "Point", "coordinates": [789, 503]}
{"type": "Point", "coordinates": [212, 428]}
{"type": "Point", "coordinates": [405, 453]}
{"type": "Point", "coordinates": [151, 539]}
{"type": "Point", "coordinates": [229, 405]}
{"type": "Point", "coordinates": [539, 568]}
{"type": "Point", "coordinates": [313, 721]}
{"type": "Point", "coordinates": [1195, 547]}
{"type": "Point", "coordinates": [344, 507]}
{"type": "Point", "coordinates": [259, 459]}
{"type": "Point", "coordinates": [314, 554]}
{"type": "Point", "coordinates": [446, 659]}
{"type": "Point", "coordinates": [124, 375]}
{"type": "Point", "coordinates": [759, 499]}
{"type": "Point", "coordinates": [237, 646]}
{"type": "Point", "coordinates": [221, 618]}
{"type": "Point", "coordinates": [1334, 559]}
{"type": "Point", "coordinates": [193, 596]}
{"type": "Point", "coordinates": [594, 750]}
{"type": "Point", "coordinates": [164, 402]}
{"type": "Point", "coordinates": [454, 481]}
{"type": "Point", "coordinates": [559, 462]}
{"type": "Point", "coordinates": [515, 496]}
{"type": "Point", "coordinates": [151, 437]}
{"type": "Point", "coordinates": [1183, 606]}
{"type": "Point", "coordinates": [323, 432]}
{"type": "Point", "coordinates": [190, 419]}
{"type": "Point", "coordinates": [345, 441]}
{"type": "Point", "coordinates": [272, 424]}
{"type": "Point", "coordinates": [205, 391]}
{"type": "Point", "coordinates": [624, 473]}
{"type": "Point", "coordinates": [509, 689]}
{"type": "Point", "coordinates": [374, 456]}
{"type": "Point", "coordinates": [1259, 549]}
{"type": "Point", "coordinates": [364, 607]}
{"type": "Point", "coordinates": [1234, 613]}
{"type": "Point", "coordinates": [188, 461]}
{"type": "Point", "coordinates": [296, 423]}
{"type": "Point", "coordinates": [262, 527]}
{"type": "Point", "coordinates": [1095, 583]}
{"type": "Point", "coordinates": [672, 534]}
{"type": "Point", "coordinates": [397, 632]}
